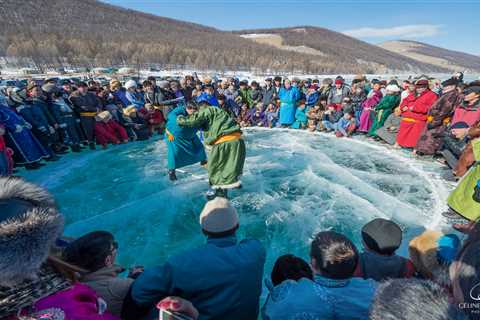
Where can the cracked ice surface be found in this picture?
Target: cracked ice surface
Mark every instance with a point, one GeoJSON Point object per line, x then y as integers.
{"type": "Point", "coordinates": [295, 184]}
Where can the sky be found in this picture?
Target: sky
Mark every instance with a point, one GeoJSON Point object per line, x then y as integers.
{"type": "Point", "coordinates": [450, 24]}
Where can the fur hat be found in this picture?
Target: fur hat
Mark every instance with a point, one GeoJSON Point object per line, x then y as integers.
{"type": "Point", "coordinates": [103, 116]}
{"type": "Point", "coordinates": [130, 84]}
{"type": "Point", "coordinates": [29, 225]}
{"type": "Point", "coordinates": [422, 83]}
{"type": "Point", "coordinates": [382, 236]}
{"type": "Point", "coordinates": [129, 110]}
{"type": "Point", "coordinates": [423, 252]}
{"type": "Point", "coordinates": [114, 84]}
{"type": "Point", "coordinates": [392, 88]}
{"type": "Point", "coordinates": [218, 216]}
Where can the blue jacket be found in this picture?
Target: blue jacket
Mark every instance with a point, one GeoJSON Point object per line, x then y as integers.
{"type": "Point", "coordinates": [120, 96]}
{"type": "Point", "coordinates": [300, 300]}
{"type": "Point", "coordinates": [223, 279]}
{"type": "Point", "coordinates": [134, 99]}
{"type": "Point", "coordinates": [210, 99]}
{"type": "Point", "coordinates": [35, 115]}
{"type": "Point", "coordinates": [288, 100]}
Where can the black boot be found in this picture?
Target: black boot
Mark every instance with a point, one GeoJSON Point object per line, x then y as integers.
{"type": "Point", "coordinates": [92, 146]}
{"type": "Point", "coordinates": [53, 157]}
{"type": "Point", "coordinates": [213, 193]}
{"type": "Point", "coordinates": [172, 175]}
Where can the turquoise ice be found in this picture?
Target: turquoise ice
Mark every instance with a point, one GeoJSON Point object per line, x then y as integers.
{"type": "Point", "coordinates": [295, 184]}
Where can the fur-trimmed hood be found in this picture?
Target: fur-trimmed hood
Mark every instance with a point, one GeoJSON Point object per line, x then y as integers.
{"type": "Point", "coordinates": [26, 238]}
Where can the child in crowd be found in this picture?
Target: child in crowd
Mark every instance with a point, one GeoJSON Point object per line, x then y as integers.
{"type": "Point", "coordinates": [154, 117]}
{"type": "Point", "coordinates": [330, 118]}
{"type": "Point", "coordinates": [381, 238]}
{"type": "Point", "coordinates": [257, 116]}
{"type": "Point", "coordinates": [271, 115]}
{"type": "Point", "coordinates": [314, 117]}
{"type": "Point", "coordinates": [108, 130]}
{"type": "Point", "coordinates": [244, 116]}
{"type": "Point", "coordinates": [301, 119]}
{"type": "Point", "coordinates": [345, 127]}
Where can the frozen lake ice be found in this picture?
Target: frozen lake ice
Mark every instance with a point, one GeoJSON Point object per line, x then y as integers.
{"type": "Point", "coordinates": [295, 184]}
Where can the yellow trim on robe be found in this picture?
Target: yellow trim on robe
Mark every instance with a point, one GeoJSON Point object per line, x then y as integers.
{"type": "Point", "coordinates": [228, 137]}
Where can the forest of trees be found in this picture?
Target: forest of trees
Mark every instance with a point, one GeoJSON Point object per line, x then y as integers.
{"type": "Point", "coordinates": [88, 33]}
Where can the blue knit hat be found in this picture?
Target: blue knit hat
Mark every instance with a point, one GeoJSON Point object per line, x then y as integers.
{"type": "Point", "coordinates": [448, 246]}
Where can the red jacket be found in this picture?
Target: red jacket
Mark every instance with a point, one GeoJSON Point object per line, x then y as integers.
{"type": "Point", "coordinates": [418, 106]}
{"type": "Point", "coordinates": [111, 132]}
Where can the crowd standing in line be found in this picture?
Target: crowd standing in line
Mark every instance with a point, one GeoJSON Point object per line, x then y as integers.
{"type": "Point", "coordinates": [48, 277]}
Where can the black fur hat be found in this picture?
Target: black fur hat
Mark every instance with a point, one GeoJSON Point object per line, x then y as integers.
{"type": "Point", "coordinates": [29, 225]}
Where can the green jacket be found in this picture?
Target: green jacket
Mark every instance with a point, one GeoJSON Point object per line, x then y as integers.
{"type": "Point", "coordinates": [246, 97]}
{"type": "Point", "coordinates": [212, 120]}
{"type": "Point", "coordinates": [383, 110]}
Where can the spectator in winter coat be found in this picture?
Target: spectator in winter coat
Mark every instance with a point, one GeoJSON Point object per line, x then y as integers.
{"type": "Point", "coordinates": [311, 97]}
{"type": "Point", "coordinates": [314, 117]}
{"type": "Point", "coordinates": [132, 95]}
{"type": "Point", "coordinates": [346, 125]}
{"type": "Point", "coordinates": [228, 105]}
{"type": "Point", "coordinates": [96, 253]}
{"type": "Point", "coordinates": [136, 124]}
{"type": "Point", "coordinates": [300, 116]}
{"type": "Point", "coordinates": [373, 98]}
{"type": "Point", "coordinates": [255, 94]}
{"type": "Point", "coordinates": [68, 122]}
{"type": "Point", "coordinates": [257, 116]}
{"type": "Point", "coordinates": [358, 97]}
{"type": "Point", "coordinates": [244, 94]}
{"type": "Point", "coordinates": [338, 92]}
{"type": "Point", "coordinates": [330, 118]}
{"type": "Point", "coordinates": [108, 130]}
{"type": "Point", "coordinates": [385, 108]}
{"type": "Point", "coordinates": [233, 293]}
{"type": "Point", "coordinates": [6, 161]}
{"type": "Point", "coordinates": [289, 96]}
{"type": "Point", "coordinates": [87, 105]}
{"type": "Point", "coordinates": [244, 116]}
{"type": "Point", "coordinates": [334, 259]}
{"type": "Point", "coordinates": [268, 93]}
{"type": "Point", "coordinates": [381, 238]}
{"type": "Point", "coordinates": [293, 294]}
{"type": "Point", "coordinates": [208, 96]}
{"type": "Point", "coordinates": [154, 117]}
{"type": "Point", "coordinates": [272, 115]}
{"type": "Point", "coordinates": [119, 93]}
{"type": "Point", "coordinates": [414, 110]}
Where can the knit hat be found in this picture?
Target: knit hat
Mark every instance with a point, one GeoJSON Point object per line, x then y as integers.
{"type": "Point", "coordinates": [392, 88]}
{"type": "Point", "coordinates": [471, 89]}
{"type": "Point", "coordinates": [104, 116]}
{"type": "Point", "coordinates": [382, 236]}
{"type": "Point", "coordinates": [278, 79]}
{"type": "Point", "coordinates": [29, 226]}
{"type": "Point", "coordinates": [218, 216]}
{"type": "Point", "coordinates": [130, 84]}
{"type": "Point", "coordinates": [448, 246]}
{"type": "Point", "coordinates": [339, 80]}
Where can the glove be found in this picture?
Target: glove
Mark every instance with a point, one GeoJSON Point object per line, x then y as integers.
{"type": "Point", "coordinates": [51, 129]}
{"type": "Point", "coordinates": [28, 126]}
{"type": "Point", "coordinates": [18, 128]}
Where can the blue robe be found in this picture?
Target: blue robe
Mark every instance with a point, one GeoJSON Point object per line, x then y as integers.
{"type": "Point", "coordinates": [300, 119]}
{"type": "Point", "coordinates": [288, 100]}
{"type": "Point", "coordinates": [25, 146]}
{"type": "Point", "coordinates": [186, 148]}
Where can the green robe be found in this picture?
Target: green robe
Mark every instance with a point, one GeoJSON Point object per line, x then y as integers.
{"type": "Point", "coordinates": [382, 110]}
{"type": "Point", "coordinates": [226, 160]}
{"type": "Point", "coordinates": [461, 199]}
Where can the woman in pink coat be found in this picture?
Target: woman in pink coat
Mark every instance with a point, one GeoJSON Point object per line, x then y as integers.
{"type": "Point", "coordinates": [373, 98]}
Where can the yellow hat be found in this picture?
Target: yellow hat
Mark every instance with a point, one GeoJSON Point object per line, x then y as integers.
{"type": "Point", "coordinates": [129, 110]}
{"type": "Point", "coordinates": [114, 83]}
{"type": "Point", "coordinates": [423, 252]}
{"type": "Point", "coordinates": [104, 116]}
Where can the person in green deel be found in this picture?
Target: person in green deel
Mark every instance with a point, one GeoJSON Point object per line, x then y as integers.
{"type": "Point", "coordinates": [223, 134]}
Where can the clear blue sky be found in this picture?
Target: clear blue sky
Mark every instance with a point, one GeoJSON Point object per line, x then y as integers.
{"type": "Point", "coordinates": [451, 24]}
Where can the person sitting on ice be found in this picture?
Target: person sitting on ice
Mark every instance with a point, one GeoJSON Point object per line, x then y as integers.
{"type": "Point", "coordinates": [227, 156]}
{"type": "Point", "coordinates": [381, 238]}
{"type": "Point", "coordinates": [315, 117]}
{"type": "Point", "coordinates": [222, 278]}
{"type": "Point", "coordinates": [133, 97]}
{"type": "Point", "coordinates": [311, 97]}
{"type": "Point", "coordinates": [414, 110]}
{"type": "Point", "coordinates": [271, 114]}
{"type": "Point", "coordinates": [257, 116]}
{"type": "Point", "coordinates": [292, 292]}
{"type": "Point", "coordinates": [108, 130]}
{"type": "Point", "coordinates": [183, 145]}
{"type": "Point", "coordinates": [384, 108]}
{"type": "Point", "coordinates": [136, 124]}
{"type": "Point", "coordinates": [153, 115]}
{"type": "Point", "coordinates": [345, 127]}
{"type": "Point", "coordinates": [301, 119]}
{"type": "Point", "coordinates": [96, 253]}
{"type": "Point", "coordinates": [373, 98]}
{"type": "Point", "coordinates": [438, 119]}
{"type": "Point", "coordinates": [334, 259]}
{"type": "Point", "coordinates": [330, 117]}
{"type": "Point", "coordinates": [68, 121]}
{"type": "Point", "coordinates": [243, 118]}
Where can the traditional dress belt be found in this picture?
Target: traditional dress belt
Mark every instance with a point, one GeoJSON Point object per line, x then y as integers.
{"type": "Point", "coordinates": [410, 120]}
{"type": "Point", "coordinates": [88, 114]}
{"type": "Point", "coordinates": [228, 137]}
{"type": "Point", "coordinates": [444, 121]}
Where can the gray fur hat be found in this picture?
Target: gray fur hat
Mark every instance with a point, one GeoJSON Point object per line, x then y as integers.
{"type": "Point", "coordinates": [29, 225]}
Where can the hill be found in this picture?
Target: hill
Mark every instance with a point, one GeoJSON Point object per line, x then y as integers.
{"type": "Point", "coordinates": [449, 59]}
{"type": "Point", "coordinates": [50, 33]}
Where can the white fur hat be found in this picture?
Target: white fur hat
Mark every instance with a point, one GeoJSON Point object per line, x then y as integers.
{"type": "Point", "coordinates": [29, 225]}
{"type": "Point", "coordinates": [130, 84]}
{"type": "Point", "coordinates": [218, 216]}
{"type": "Point", "coordinates": [393, 88]}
